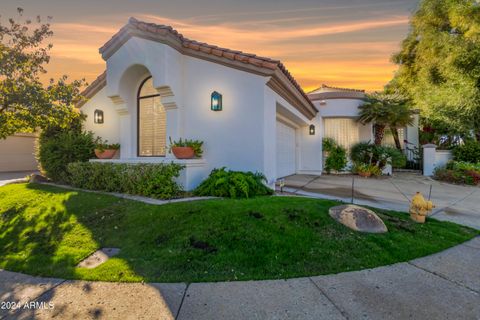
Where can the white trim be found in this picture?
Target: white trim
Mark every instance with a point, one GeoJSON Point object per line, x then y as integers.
{"type": "Point", "coordinates": [164, 160]}
{"type": "Point", "coordinates": [287, 121]}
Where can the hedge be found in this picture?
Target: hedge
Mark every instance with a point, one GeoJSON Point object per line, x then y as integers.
{"type": "Point", "coordinates": [57, 150]}
{"type": "Point", "coordinates": [150, 180]}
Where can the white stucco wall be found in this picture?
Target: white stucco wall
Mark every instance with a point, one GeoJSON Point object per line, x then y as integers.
{"type": "Point", "coordinates": [109, 129]}
{"type": "Point", "coordinates": [346, 108]}
{"type": "Point", "coordinates": [240, 137]}
{"type": "Point", "coordinates": [232, 137]}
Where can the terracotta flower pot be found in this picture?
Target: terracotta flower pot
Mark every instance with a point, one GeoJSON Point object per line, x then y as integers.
{"type": "Point", "coordinates": [183, 152]}
{"type": "Point", "coordinates": [417, 218]}
{"type": "Point", "coordinates": [365, 174]}
{"type": "Point", "coordinates": [105, 154]}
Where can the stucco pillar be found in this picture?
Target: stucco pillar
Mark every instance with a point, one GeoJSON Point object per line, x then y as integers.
{"type": "Point", "coordinates": [429, 153]}
{"type": "Point", "coordinates": [126, 144]}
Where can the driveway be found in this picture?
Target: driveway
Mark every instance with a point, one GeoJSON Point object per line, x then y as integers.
{"type": "Point", "coordinates": [445, 285]}
{"type": "Point", "coordinates": [9, 177]}
{"type": "Point", "coordinates": [454, 203]}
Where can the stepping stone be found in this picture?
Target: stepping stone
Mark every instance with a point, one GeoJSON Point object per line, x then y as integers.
{"type": "Point", "coordinates": [98, 257]}
{"type": "Point", "coordinates": [358, 218]}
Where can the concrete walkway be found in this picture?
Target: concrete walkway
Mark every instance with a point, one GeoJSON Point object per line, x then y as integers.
{"type": "Point", "coordinates": [441, 286]}
{"type": "Point", "coordinates": [459, 204]}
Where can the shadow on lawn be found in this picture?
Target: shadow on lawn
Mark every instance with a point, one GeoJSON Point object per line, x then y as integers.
{"type": "Point", "coordinates": [30, 242]}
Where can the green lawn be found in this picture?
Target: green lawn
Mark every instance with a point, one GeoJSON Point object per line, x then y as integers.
{"type": "Point", "coordinates": [46, 231]}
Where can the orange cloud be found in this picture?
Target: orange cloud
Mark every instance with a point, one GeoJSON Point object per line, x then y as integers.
{"type": "Point", "coordinates": [361, 64]}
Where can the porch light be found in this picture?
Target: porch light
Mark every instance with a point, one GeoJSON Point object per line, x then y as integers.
{"type": "Point", "coordinates": [312, 130]}
{"type": "Point", "coordinates": [98, 116]}
{"type": "Point", "coordinates": [216, 103]}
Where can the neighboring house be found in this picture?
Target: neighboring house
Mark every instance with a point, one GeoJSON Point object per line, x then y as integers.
{"type": "Point", "coordinates": [17, 153]}
{"type": "Point", "coordinates": [338, 108]}
{"type": "Point", "coordinates": [160, 85]}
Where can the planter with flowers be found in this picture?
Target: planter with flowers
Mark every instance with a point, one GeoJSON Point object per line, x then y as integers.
{"type": "Point", "coordinates": [104, 150]}
{"type": "Point", "coordinates": [367, 170]}
{"type": "Point", "coordinates": [186, 148]}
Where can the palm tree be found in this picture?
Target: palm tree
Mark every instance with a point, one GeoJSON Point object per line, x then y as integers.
{"type": "Point", "coordinates": [401, 117]}
{"type": "Point", "coordinates": [385, 110]}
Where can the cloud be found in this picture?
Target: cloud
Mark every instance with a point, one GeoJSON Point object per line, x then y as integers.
{"type": "Point", "coordinates": [307, 46]}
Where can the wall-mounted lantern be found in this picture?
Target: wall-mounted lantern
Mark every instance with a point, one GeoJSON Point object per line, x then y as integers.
{"type": "Point", "coordinates": [311, 130]}
{"type": "Point", "coordinates": [98, 116]}
{"type": "Point", "coordinates": [216, 102]}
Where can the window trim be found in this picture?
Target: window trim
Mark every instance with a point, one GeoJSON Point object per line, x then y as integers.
{"type": "Point", "coordinates": [138, 117]}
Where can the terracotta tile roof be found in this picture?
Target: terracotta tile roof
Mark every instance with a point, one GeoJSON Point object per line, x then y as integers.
{"type": "Point", "coordinates": [252, 62]}
{"type": "Point", "coordinates": [327, 88]}
{"type": "Point", "coordinates": [326, 92]}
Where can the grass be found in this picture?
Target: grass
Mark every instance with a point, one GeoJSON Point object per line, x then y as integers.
{"type": "Point", "coordinates": [46, 231]}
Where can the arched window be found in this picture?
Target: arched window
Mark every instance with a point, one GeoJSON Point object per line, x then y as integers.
{"type": "Point", "coordinates": [152, 121]}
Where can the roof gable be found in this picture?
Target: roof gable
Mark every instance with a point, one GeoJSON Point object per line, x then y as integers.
{"type": "Point", "coordinates": [281, 80]}
{"type": "Point", "coordinates": [326, 92]}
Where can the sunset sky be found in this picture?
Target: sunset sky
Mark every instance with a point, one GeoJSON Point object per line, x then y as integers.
{"type": "Point", "coordinates": [337, 42]}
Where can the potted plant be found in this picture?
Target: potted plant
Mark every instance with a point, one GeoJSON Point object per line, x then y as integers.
{"type": "Point", "coordinates": [186, 149]}
{"type": "Point", "coordinates": [367, 170]}
{"type": "Point", "coordinates": [104, 150]}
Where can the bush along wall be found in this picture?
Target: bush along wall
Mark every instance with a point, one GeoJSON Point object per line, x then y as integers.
{"type": "Point", "coordinates": [467, 152]}
{"type": "Point", "coordinates": [459, 172]}
{"type": "Point", "coordinates": [57, 150]}
{"type": "Point", "coordinates": [149, 180]}
{"type": "Point", "coordinates": [337, 155]}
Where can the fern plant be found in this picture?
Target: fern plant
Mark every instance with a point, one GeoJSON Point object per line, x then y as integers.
{"type": "Point", "coordinates": [233, 184]}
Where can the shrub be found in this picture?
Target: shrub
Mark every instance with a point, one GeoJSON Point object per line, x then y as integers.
{"type": "Point", "coordinates": [56, 150]}
{"type": "Point", "coordinates": [336, 159]}
{"type": "Point", "coordinates": [369, 153]}
{"type": "Point", "coordinates": [328, 144]}
{"type": "Point", "coordinates": [459, 172]}
{"type": "Point", "coordinates": [233, 184]}
{"type": "Point", "coordinates": [367, 168]}
{"type": "Point", "coordinates": [337, 155]}
{"type": "Point", "coordinates": [150, 180]}
{"type": "Point", "coordinates": [451, 176]}
{"type": "Point", "coordinates": [467, 152]}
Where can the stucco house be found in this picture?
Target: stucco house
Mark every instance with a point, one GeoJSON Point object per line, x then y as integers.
{"type": "Point", "coordinates": [248, 110]}
{"type": "Point", "coordinates": [159, 84]}
{"type": "Point", "coordinates": [338, 109]}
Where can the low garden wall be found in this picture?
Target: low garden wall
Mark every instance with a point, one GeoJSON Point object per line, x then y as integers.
{"type": "Point", "coordinates": [433, 158]}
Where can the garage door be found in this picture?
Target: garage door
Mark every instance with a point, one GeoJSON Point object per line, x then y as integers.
{"type": "Point", "coordinates": [17, 153]}
{"type": "Point", "coordinates": [286, 163]}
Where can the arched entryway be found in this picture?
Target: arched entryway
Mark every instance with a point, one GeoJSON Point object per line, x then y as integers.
{"type": "Point", "coordinates": [152, 121]}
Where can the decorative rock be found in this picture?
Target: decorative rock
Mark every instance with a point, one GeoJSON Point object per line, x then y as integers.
{"type": "Point", "coordinates": [358, 218]}
{"type": "Point", "coordinates": [36, 178]}
{"type": "Point", "coordinates": [98, 257]}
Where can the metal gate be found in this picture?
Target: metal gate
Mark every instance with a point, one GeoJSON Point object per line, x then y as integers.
{"type": "Point", "coordinates": [414, 156]}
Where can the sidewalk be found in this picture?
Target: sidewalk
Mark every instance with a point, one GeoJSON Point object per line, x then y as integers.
{"type": "Point", "coordinates": [445, 285]}
{"type": "Point", "coordinates": [453, 203]}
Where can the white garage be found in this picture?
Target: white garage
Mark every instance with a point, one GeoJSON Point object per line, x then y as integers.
{"type": "Point", "coordinates": [17, 153]}
{"type": "Point", "coordinates": [286, 150]}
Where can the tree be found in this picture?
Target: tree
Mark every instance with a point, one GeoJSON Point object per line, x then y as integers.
{"type": "Point", "coordinates": [25, 103]}
{"type": "Point", "coordinates": [384, 110]}
{"type": "Point", "coordinates": [439, 64]}
{"type": "Point", "coordinates": [400, 117]}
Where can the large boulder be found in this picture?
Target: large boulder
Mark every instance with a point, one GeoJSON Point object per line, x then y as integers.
{"type": "Point", "coordinates": [358, 218]}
